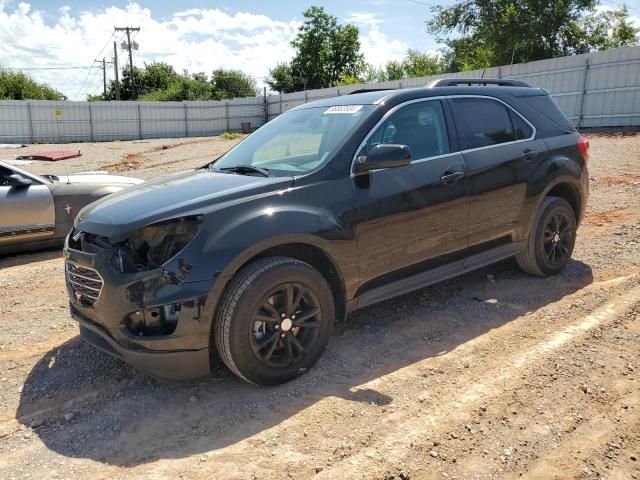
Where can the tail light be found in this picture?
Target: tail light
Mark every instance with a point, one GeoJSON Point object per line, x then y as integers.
{"type": "Point", "coordinates": [583, 145]}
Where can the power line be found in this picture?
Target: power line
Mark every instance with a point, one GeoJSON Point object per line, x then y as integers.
{"type": "Point", "coordinates": [84, 82]}
{"type": "Point", "coordinates": [422, 3]}
{"type": "Point", "coordinates": [61, 67]}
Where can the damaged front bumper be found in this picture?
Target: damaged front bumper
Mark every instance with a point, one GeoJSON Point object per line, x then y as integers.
{"type": "Point", "coordinates": [151, 320]}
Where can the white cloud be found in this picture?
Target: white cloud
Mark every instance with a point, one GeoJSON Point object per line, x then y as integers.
{"type": "Point", "coordinates": [376, 45]}
{"type": "Point", "coordinates": [196, 39]}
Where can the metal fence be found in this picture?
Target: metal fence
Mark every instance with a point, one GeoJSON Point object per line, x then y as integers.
{"type": "Point", "coordinates": [600, 89]}
{"type": "Point", "coordinates": [595, 90]}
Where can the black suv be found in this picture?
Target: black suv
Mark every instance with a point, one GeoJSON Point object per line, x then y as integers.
{"type": "Point", "coordinates": [332, 206]}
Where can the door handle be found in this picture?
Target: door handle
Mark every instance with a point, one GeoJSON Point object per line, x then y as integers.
{"type": "Point", "coordinates": [528, 155]}
{"type": "Point", "coordinates": [451, 177]}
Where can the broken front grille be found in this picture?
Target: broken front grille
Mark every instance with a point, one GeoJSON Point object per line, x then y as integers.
{"type": "Point", "coordinates": [85, 283]}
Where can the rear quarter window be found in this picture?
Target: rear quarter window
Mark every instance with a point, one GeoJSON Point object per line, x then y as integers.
{"type": "Point", "coordinates": [546, 106]}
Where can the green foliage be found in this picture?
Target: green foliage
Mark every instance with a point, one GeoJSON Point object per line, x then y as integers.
{"type": "Point", "coordinates": [325, 52]}
{"type": "Point", "coordinates": [605, 29]}
{"type": "Point", "coordinates": [281, 78]}
{"type": "Point", "coordinates": [348, 80]}
{"type": "Point", "coordinates": [19, 86]}
{"type": "Point", "coordinates": [230, 135]}
{"type": "Point", "coordinates": [417, 64]}
{"type": "Point", "coordinates": [393, 70]}
{"type": "Point", "coordinates": [182, 88]}
{"type": "Point", "coordinates": [414, 64]}
{"type": "Point", "coordinates": [160, 82]}
{"type": "Point", "coordinates": [232, 83]}
{"type": "Point", "coordinates": [498, 32]}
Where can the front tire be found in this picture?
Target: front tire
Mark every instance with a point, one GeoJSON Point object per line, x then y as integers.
{"type": "Point", "coordinates": [551, 240]}
{"type": "Point", "coordinates": [274, 321]}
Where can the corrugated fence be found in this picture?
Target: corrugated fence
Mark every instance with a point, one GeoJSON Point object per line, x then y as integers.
{"type": "Point", "coordinates": [600, 89]}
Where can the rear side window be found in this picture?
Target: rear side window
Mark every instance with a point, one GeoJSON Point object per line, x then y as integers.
{"type": "Point", "coordinates": [483, 122]}
{"type": "Point", "coordinates": [420, 125]}
{"type": "Point", "coordinates": [521, 128]}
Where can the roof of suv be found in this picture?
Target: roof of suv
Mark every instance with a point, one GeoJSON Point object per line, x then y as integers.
{"type": "Point", "coordinates": [375, 97]}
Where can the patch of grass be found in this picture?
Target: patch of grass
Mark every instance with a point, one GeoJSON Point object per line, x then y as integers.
{"type": "Point", "coordinates": [231, 135]}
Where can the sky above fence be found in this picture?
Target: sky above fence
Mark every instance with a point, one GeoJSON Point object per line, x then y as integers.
{"type": "Point", "coordinates": [41, 36]}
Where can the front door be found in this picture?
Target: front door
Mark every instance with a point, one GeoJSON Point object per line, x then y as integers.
{"type": "Point", "coordinates": [413, 218]}
{"type": "Point", "coordinates": [26, 213]}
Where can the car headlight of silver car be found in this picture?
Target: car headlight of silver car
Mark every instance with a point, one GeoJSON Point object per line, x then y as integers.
{"type": "Point", "coordinates": [154, 245]}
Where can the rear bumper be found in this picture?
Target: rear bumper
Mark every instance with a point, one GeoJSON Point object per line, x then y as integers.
{"type": "Point", "coordinates": [169, 365]}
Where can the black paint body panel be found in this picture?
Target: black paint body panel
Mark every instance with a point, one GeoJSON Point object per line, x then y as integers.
{"type": "Point", "coordinates": [384, 232]}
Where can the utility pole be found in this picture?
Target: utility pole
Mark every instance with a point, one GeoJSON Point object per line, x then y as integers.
{"type": "Point", "coordinates": [103, 62]}
{"type": "Point", "coordinates": [115, 68]}
{"type": "Point", "coordinates": [128, 31]}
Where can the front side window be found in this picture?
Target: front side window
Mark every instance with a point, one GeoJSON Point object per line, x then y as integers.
{"type": "Point", "coordinates": [5, 173]}
{"type": "Point", "coordinates": [298, 141]}
{"type": "Point", "coordinates": [421, 126]}
{"type": "Point", "coordinates": [483, 122]}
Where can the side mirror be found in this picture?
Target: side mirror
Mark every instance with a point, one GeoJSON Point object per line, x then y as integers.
{"type": "Point", "coordinates": [18, 181]}
{"type": "Point", "coordinates": [385, 155]}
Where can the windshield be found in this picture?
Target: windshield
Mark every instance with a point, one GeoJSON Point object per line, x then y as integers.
{"type": "Point", "coordinates": [296, 142]}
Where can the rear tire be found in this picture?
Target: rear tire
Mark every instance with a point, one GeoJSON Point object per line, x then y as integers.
{"type": "Point", "coordinates": [551, 239]}
{"type": "Point", "coordinates": [274, 321]}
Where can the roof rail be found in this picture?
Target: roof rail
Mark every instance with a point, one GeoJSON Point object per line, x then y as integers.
{"type": "Point", "coordinates": [454, 82]}
{"type": "Point", "coordinates": [365, 90]}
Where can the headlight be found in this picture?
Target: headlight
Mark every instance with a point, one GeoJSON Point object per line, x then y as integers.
{"type": "Point", "coordinates": [154, 245]}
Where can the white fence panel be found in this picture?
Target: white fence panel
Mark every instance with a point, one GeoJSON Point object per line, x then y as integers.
{"type": "Point", "coordinates": [15, 124]}
{"type": "Point", "coordinates": [595, 89]}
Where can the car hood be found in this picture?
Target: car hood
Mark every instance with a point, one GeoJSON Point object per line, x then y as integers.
{"type": "Point", "coordinates": [186, 193]}
{"type": "Point", "coordinates": [96, 178]}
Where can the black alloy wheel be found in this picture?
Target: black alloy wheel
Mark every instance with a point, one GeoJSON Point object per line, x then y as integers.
{"type": "Point", "coordinates": [285, 325]}
{"type": "Point", "coordinates": [558, 238]}
{"type": "Point", "coordinates": [551, 239]}
{"type": "Point", "coordinates": [274, 320]}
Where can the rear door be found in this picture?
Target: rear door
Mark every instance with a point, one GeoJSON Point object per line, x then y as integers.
{"type": "Point", "coordinates": [27, 213]}
{"type": "Point", "coordinates": [501, 153]}
{"type": "Point", "coordinates": [412, 218]}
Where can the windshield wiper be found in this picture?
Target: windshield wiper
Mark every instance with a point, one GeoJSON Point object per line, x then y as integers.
{"type": "Point", "coordinates": [246, 169]}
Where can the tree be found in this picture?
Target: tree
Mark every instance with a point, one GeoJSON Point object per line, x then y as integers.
{"type": "Point", "coordinates": [325, 52]}
{"type": "Point", "coordinates": [605, 29]}
{"type": "Point", "coordinates": [159, 81]}
{"type": "Point", "coordinates": [156, 76]}
{"type": "Point", "coordinates": [498, 32]}
{"type": "Point", "coordinates": [183, 87]}
{"type": "Point", "coordinates": [417, 64]}
{"type": "Point", "coordinates": [128, 78]}
{"type": "Point", "coordinates": [414, 64]}
{"type": "Point", "coordinates": [280, 78]}
{"type": "Point", "coordinates": [232, 83]}
{"type": "Point", "coordinates": [393, 70]}
{"type": "Point", "coordinates": [19, 86]}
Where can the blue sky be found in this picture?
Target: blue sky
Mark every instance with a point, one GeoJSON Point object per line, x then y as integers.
{"type": "Point", "coordinates": [41, 36]}
{"type": "Point", "coordinates": [400, 19]}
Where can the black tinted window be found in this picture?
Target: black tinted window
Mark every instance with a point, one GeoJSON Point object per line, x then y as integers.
{"type": "Point", "coordinates": [548, 107]}
{"type": "Point", "coordinates": [421, 126]}
{"type": "Point", "coordinates": [522, 128]}
{"type": "Point", "coordinates": [482, 122]}
{"type": "Point", "coordinates": [4, 176]}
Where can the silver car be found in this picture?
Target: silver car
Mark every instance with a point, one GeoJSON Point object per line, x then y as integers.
{"type": "Point", "coordinates": [38, 211]}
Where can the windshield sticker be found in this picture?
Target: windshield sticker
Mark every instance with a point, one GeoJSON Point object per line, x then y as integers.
{"type": "Point", "coordinates": [343, 109]}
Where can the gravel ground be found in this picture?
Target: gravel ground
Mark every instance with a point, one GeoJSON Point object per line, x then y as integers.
{"type": "Point", "coordinates": [494, 374]}
{"type": "Point", "coordinates": [140, 158]}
